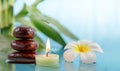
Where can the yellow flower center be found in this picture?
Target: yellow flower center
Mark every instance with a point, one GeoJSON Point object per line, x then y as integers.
{"type": "Point", "coordinates": [82, 48]}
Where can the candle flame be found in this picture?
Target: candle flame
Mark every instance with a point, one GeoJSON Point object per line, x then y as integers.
{"type": "Point", "coordinates": [48, 45]}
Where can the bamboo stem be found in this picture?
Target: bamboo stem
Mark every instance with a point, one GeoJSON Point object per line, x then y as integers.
{"type": "Point", "coordinates": [7, 17]}
{"type": "Point", "coordinates": [6, 12]}
{"type": "Point", "coordinates": [0, 14]}
{"type": "Point", "coordinates": [3, 14]}
{"type": "Point", "coordinates": [11, 17]}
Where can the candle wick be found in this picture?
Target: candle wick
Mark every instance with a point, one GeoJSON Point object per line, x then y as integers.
{"type": "Point", "coordinates": [47, 54]}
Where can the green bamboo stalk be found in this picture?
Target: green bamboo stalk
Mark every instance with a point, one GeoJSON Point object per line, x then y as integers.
{"type": "Point", "coordinates": [6, 13]}
{"type": "Point", "coordinates": [0, 14]}
{"type": "Point", "coordinates": [3, 14]}
{"type": "Point", "coordinates": [7, 17]}
{"type": "Point", "coordinates": [11, 17]}
{"type": "Point", "coordinates": [3, 29]}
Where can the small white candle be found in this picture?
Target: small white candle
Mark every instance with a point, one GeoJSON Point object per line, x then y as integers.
{"type": "Point", "coordinates": [49, 60]}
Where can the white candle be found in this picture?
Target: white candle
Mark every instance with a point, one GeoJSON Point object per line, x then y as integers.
{"type": "Point", "coordinates": [49, 60]}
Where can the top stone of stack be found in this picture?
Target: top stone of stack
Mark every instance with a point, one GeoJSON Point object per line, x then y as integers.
{"type": "Point", "coordinates": [24, 32]}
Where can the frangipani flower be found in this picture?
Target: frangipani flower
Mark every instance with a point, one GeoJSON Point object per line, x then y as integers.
{"type": "Point", "coordinates": [84, 48]}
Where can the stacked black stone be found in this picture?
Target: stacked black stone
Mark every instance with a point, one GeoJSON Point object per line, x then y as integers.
{"type": "Point", "coordinates": [25, 46]}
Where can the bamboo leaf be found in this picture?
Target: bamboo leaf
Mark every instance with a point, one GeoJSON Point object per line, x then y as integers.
{"type": "Point", "coordinates": [39, 22]}
{"type": "Point", "coordinates": [60, 27]}
{"type": "Point", "coordinates": [23, 12]}
{"type": "Point", "coordinates": [23, 21]}
{"type": "Point", "coordinates": [36, 13]}
{"type": "Point", "coordinates": [46, 29]}
{"type": "Point", "coordinates": [41, 44]}
{"type": "Point", "coordinates": [38, 39]}
{"type": "Point", "coordinates": [36, 3]}
{"type": "Point", "coordinates": [50, 20]}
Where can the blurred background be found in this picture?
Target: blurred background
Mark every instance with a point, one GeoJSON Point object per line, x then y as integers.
{"type": "Point", "coordinates": [97, 20]}
{"type": "Point", "coordinates": [85, 18]}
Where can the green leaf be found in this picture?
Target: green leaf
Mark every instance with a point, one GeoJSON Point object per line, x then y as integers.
{"type": "Point", "coordinates": [7, 30]}
{"type": "Point", "coordinates": [37, 2]}
{"type": "Point", "coordinates": [38, 39]}
{"type": "Point", "coordinates": [61, 27]}
{"type": "Point", "coordinates": [41, 44]}
{"type": "Point", "coordinates": [23, 12]}
{"type": "Point", "coordinates": [50, 20]}
{"type": "Point", "coordinates": [39, 22]}
{"type": "Point", "coordinates": [26, 22]}
{"type": "Point", "coordinates": [34, 11]}
{"type": "Point", "coordinates": [46, 29]}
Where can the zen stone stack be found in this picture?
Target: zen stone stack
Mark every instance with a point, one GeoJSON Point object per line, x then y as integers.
{"type": "Point", "coordinates": [25, 46]}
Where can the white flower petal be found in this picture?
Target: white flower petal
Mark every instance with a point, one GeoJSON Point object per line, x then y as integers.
{"type": "Point", "coordinates": [70, 55]}
{"type": "Point", "coordinates": [88, 58]}
{"type": "Point", "coordinates": [95, 47]}
{"type": "Point", "coordinates": [84, 42]}
{"type": "Point", "coordinates": [71, 45]}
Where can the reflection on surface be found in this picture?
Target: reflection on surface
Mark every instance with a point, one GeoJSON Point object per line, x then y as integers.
{"type": "Point", "coordinates": [6, 67]}
{"type": "Point", "coordinates": [76, 65]}
{"type": "Point", "coordinates": [87, 67]}
{"type": "Point", "coordinates": [82, 67]}
{"type": "Point", "coordinates": [38, 68]}
{"type": "Point", "coordinates": [69, 67]}
{"type": "Point", "coordinates": [24, 67]}
{"type": "Point", "coordinates": [4, 50]}
{"type": "Point", "coordinates": [3, 65]}
{"type": "Point", "coordinates": [64, 66]}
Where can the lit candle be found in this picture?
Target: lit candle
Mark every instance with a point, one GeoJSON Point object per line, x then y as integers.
{"type": "Point", "coordinates": [49, 60]}
{"type": "Point", "coordinates": [47, 47]}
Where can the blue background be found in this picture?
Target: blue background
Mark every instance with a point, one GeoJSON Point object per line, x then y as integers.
{"type": "Point", "coordinates": [97, 20]}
